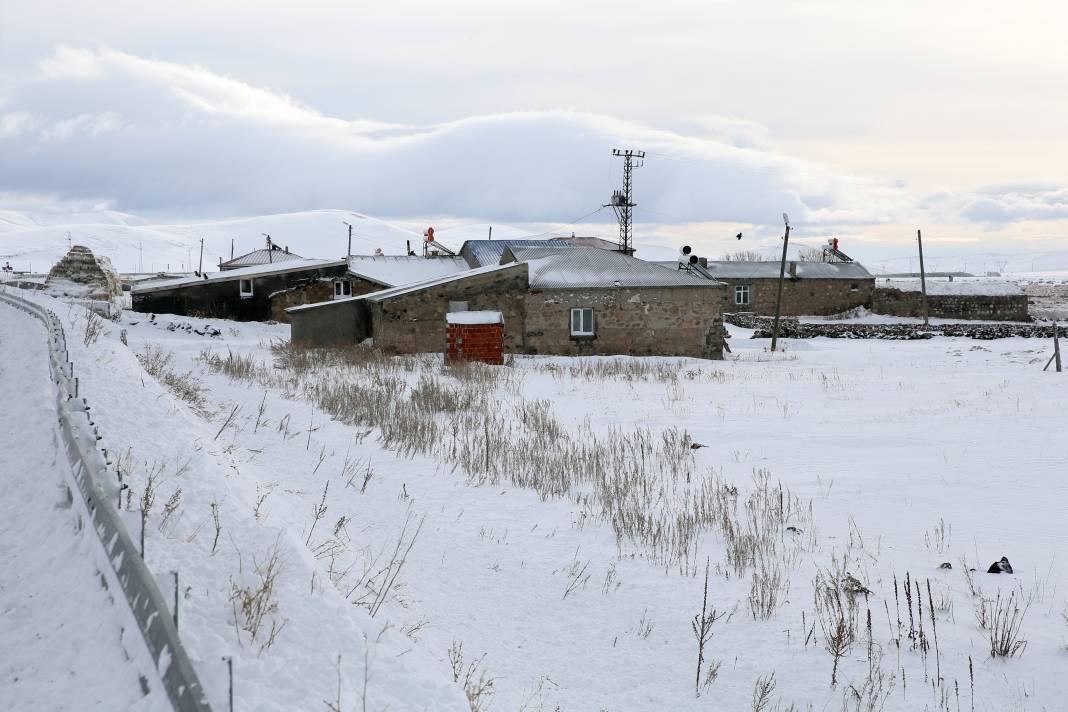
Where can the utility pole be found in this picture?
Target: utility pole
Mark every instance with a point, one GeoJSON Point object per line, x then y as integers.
{"type": "Point", "coordinates": [201, 267]}
{"type": "Point", "coordinates": [1056, 357]}
{"type": "Point", "coordinates": [923, 279]}
{"type": "Point", "coordinates": [622, 202]}
{"type": "Point", "coordinates": [491, 232]}
{"type": "Point", "coordinates": [782, 277]}
{"type": "Point", "coordinates": [348, 255]}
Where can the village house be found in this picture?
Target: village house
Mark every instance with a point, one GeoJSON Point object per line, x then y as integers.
{"type": "Point", "coordinates": [270, 255]}
{"type": "Point", "coordinates": [809, 288]}
{"type": "Point", "coordinates": [257, 293]}
{"type": "Point", "coordinates": [951, 298]}
{"type": "Point", "coordinates": [553, 300]}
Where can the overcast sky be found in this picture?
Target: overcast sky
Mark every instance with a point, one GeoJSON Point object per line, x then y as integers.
{"type": "Point", "coordinates": [859, 121]}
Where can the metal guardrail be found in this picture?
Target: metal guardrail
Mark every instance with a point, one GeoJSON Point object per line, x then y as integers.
{"type": "Point", "coordinates": [98, 482]}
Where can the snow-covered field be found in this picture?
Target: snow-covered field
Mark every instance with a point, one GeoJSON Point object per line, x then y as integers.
{"type": "Point", "coordinates": [538, 534]}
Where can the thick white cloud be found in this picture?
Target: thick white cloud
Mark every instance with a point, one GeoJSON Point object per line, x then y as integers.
{"type": "Point", "coordinates": [148, 135]}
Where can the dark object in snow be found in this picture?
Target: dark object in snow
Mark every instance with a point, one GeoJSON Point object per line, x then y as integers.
{"type": "Point", "coordinates": [793, 530]}
{"type": "Point", "coordinates": [852, 586]}
{"type": "Point", "coordinates": [945, 565]}
{"type": "Point", "coordinates": [696, 446]}
{"type": "Point", "coordinates": [1000, 567]}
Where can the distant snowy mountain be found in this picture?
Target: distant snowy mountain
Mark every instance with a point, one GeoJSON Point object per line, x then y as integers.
{"type": "Point", "coordinates": [34, 241]}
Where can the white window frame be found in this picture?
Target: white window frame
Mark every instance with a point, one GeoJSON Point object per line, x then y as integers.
{"type": "Point", "coordinates": [739, 290]}
{"type": "Point", "coordinates": [342, 288]}
{"type": "Point", "coordinates": [585, 319]}
{"type": "Point", "coordinates": [241, 288]}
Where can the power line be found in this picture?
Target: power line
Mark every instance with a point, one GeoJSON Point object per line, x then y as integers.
{"type": "Point", "coordinates": [563, 225]}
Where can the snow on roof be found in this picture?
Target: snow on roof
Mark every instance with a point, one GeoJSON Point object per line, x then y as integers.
{"type": "Point", "coordinates": [395, 270]}
{"type": "Point", "coordinates": [770, 270]}
{"type": "Point", "coordinates": [407, 288]}
{"type": "Point", "coordinates": [590, 267]}
{"type": "Point", "coordinates": [488, 252]}
{"type": "Point", "coordinates": [260, 257]}
{"type": "Point", "coordinates": [235, 274]}
{"type": "Point", "coordinates": [959, 286]}
{"type": "Point", "coordinates": [474, 317]}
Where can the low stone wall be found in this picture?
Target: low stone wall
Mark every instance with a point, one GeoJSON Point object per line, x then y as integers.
{"type": "Point", "coordinates": [791, 328]}
{"type": "Point", "coordinates": [895, 302]}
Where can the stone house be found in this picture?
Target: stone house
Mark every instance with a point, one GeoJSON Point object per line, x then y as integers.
{"type": "Point", "coordinates": [563, 301]}
{"type": "Point", "coordinates": [951, 298]}
{"type": "Point", "coordinates": [809, 288]}
{"type": "Point", "coordinates": [257, 293]}
{"type": "Point", "coordinates": [270, 255]}
{"type": "Point", "coordinates": [371, 273]}
{"type": "Point", "coordinates": [486, 253]}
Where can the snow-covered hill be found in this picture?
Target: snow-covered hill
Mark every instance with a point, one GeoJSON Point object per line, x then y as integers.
{"type": "Point", "coordinates": [33, 241]}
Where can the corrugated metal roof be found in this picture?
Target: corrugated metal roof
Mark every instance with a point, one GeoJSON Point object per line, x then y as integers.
{"type": "Point", "coordinates": [408, 288]}
{"type": "Point", "coordinates": [588, 267]}
{"type": "Point", "coordinates": [394, 270]}
{"type": "Point", "coordinates": [233, 275]}
{"type": "Point", "coordinates": [770, 270]}
{"type": "Point", "coordinates": [260, 257]}
{"type": "Point", "coordinates": [488, 252]}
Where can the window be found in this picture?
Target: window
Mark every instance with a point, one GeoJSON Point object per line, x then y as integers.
{"type": "Point", "coordinates": [741, 294]}
{"type": "Point", "coordinates": [854, 287]}
{"type": "Point", "coordinates": [342, 288]}
{"type": "Point", "coordinates": [245, 287]}
{"type": "Point", "coordinates": [582, 322]}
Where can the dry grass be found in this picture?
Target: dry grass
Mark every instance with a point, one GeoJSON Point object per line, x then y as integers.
{"type": "Point", "coordinates": [646, 485]}
{"type": "Point", "coordinates": [184, 386]}
{"type": "Point", "coordinates": [255, 605]}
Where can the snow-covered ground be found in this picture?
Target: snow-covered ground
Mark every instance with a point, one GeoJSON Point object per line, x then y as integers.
{"type": "Point", "coordinates": [559, 522]}
{"type": "Point", "coordinates": [68, 644]}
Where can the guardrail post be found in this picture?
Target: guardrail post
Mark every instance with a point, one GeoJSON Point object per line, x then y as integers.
{"type": "Point", "coordinates": [229, 660]}
{"type": "Point", "coordinates": [175, 599]}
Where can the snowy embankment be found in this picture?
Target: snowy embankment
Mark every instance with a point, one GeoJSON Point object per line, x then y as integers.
{"type": "Point", "coordinates": [68, 642]}
{"type": "Point", "coordinates": [539, 533]}
{"type": "Point", "coordinates": [250, 587]}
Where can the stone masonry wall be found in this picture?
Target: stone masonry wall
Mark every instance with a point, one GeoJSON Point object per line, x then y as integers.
{"type": "Point", "coordinates": [895, 302]}
{"type": "Point", "coordinates": [415, 322]}
{"type": "Point", "coordinates": [803, 296]}
{"type": "Point", "coordinates": [308, 294]}
{"type": "Point", "coordinates": [666, 321]}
